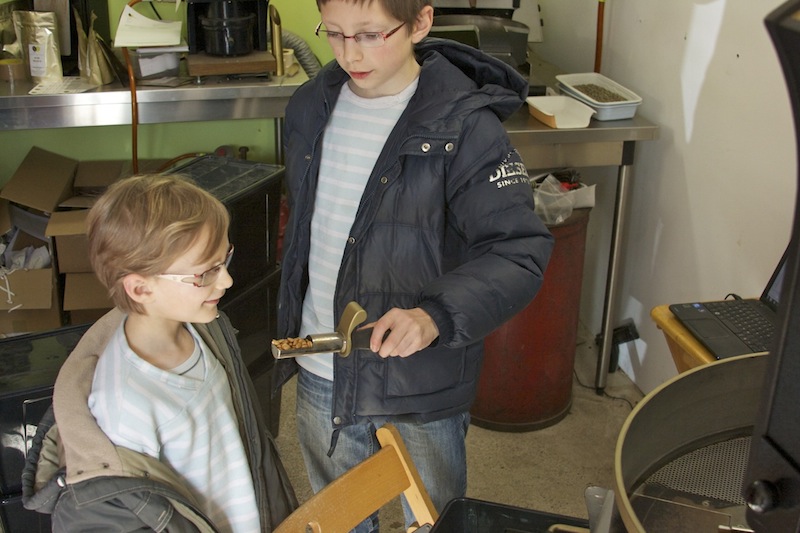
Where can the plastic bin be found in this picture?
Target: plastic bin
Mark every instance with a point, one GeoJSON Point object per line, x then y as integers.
{"type": "Point", "coordinates": [526, 380]}
{"type": "Point", "coordinates": [28, 368]}
{"type": "Point", "coordinates": [149, 65]}
{"type": "Point", "coordinates": [604, 110]}
{"type": "Point", "coordinates": [467, 515]}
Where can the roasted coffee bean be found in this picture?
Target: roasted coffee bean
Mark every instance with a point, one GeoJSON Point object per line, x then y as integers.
{"type": "Point", "coordinates": [292, 343]}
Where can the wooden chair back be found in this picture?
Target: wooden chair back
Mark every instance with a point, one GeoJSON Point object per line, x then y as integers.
{"type": "Point", "coordinates": [364, 489]}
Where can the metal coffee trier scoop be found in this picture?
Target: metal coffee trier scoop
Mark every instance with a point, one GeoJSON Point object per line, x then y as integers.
{"type": "Point", "coordinates": [342, 341]}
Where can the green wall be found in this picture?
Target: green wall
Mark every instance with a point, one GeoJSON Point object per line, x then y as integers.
{"type": "Point", "coordinates": [164, 141]}
{"type": "Point", "coordinates": [301, 17]}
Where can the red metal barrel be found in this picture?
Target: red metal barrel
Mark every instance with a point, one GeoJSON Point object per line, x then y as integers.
{"type": "Point", "coordinates": [526, 381]}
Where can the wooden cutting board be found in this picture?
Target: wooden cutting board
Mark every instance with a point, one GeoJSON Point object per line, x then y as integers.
{"type": "Point", "coordinates": [202, 64]}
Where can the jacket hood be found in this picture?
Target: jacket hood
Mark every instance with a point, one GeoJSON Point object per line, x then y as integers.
{"type": "Point", "coordinates": [506, 86]}
{"type": "Point", "coordinates": [460, 79]}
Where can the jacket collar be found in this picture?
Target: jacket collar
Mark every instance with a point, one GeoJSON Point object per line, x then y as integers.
{"type": "Point", "coordinates": [487, 73]}
{"type": "Point", "coordinates": [455, 80]}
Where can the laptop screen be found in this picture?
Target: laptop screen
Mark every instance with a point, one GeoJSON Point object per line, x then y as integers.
{"type": "Point", "coordinates": [772, 293]}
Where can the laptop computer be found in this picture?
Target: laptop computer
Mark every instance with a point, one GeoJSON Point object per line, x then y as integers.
{"type": "Point", "coordinates": [734, 327]}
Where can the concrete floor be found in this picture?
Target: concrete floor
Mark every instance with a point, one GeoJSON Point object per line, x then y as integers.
{"type": "Point", "coordinates": [546, 470]}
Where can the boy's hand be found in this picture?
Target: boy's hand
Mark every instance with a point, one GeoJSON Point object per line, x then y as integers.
{"type": "Point", "coordinates": [410, 330]}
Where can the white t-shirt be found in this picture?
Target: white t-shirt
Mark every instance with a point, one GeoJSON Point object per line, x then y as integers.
{"type": "Point", "coordinates": [353, 140]}
{"type": "Point", "coordinates": [186, 421]}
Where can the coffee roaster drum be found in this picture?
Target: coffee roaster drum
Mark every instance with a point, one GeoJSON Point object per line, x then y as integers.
{"type": "Point", "coordinates": [682, 453]}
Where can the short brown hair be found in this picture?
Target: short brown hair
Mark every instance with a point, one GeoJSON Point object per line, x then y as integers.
{"type": "Point", "coordinates": [142, 224]}
{"type": "Point", "coordinates": [403, 10]}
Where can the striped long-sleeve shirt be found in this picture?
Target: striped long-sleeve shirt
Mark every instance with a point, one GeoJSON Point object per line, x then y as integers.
{"type": "Point", "coordinates": [186, 422]}
{"type": "Point", "coordinates": [353, 140]}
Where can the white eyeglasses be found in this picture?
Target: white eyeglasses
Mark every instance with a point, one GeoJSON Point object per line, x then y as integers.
{"type": "Point", "coordinates": [206, 278]}
{"type": "Point", "coordinates": [367, 39]}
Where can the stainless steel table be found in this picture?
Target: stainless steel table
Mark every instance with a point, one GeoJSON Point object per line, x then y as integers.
{"type": "Point", "coordinates": [609, 143]}
{"type": "Point", "coordinates": [215, 98]}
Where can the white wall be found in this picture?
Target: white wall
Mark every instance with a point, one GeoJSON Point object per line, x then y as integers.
{"type": "Point", "coordinates": [713, 198]}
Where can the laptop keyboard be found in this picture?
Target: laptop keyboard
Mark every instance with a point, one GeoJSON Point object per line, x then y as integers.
{"type": "Point", "coordinates": [752, 327]}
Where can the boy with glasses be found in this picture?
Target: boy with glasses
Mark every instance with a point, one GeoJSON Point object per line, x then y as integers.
{"type": "Point", "coordinates": [155, 410]}
{"type": "Point", "coordinates": [406, 196]}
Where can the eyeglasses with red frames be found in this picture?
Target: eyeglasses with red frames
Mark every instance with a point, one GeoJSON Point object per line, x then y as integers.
{"type": "Point", "coordinates": [206, 278]}
{"type": "Point", "coordinates": [367, 39]}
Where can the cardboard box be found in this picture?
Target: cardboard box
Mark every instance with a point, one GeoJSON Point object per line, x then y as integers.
{"type": "Point", "coordinates": [42, 181]}
{"type": "Point", "coordinates": [68, 231]}
{"type": "Point", "coordinates": [29, 299]}
{"type": "Point", "coordinates": [20, 288]}
{"type": "Point", "coordinates": [26, 289]}
{"type": "Point", "coordinates": [46, 181]}
{"type": "Point", "coordinates": [85, 298]}
{"type": "Point", "coordinates": [92, 178]}
{"type": "Point", "coordinates": [83, 291]}
{"type": "Point", "coordinates": [32, 320]}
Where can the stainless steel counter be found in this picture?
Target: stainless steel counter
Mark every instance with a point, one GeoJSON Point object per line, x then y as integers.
{"type": "Point", "coordinates": [215, 99]}
{"type": "Point", "coordinates": [607, 143]}
{"type": "Point", "coordinates": [602, 143]}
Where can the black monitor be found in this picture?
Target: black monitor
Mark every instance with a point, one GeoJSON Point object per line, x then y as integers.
{"type": "Point", "coordinates": [772, 480]}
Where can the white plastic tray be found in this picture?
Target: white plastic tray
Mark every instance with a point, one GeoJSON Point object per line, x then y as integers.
{"type": "Point", "coordinates": [561, 112]}
{"type": "Point", "coordinates": [605, 110]}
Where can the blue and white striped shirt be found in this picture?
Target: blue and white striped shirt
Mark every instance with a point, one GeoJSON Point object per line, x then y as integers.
{"type": "Point", "coordinates": [185, 422]}
{"type": "Point", "coordinates": [353, 140]}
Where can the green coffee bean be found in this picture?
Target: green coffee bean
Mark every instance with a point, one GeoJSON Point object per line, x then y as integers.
{"type": "Point", "coordinates": [600, 94]}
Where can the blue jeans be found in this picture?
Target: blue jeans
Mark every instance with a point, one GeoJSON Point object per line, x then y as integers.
{"type": "Point", "coordinates": [437, 448]}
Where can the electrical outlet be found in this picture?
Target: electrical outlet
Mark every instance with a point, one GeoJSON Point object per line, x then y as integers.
{"type": "Point", "coordinates": [627, 332]}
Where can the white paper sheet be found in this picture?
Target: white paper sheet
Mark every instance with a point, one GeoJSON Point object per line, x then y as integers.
{"type": "Point", "coordinates": [66, 85]}
{"type": "Point", "coordinates": [136, 30]}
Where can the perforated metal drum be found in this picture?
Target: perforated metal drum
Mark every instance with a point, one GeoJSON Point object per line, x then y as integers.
{"type": "Point", "coordinates": [682, 453]}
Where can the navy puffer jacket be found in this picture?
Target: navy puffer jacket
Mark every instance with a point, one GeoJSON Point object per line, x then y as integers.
{"type": "Point", "coordinates": [446, 223]}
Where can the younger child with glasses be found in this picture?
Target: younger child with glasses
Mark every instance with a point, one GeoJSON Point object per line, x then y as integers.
{"type": "Point", "coordinates": [155, 409]}
{"type": "Point", "coordinates": [406, 196]}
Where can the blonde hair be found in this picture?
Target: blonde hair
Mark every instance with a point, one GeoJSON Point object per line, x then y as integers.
{"type": "Point", "coordinates": [142, 224]}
